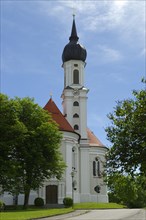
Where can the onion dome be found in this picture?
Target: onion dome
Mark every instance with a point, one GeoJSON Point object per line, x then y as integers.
{"type": "Point", "coordinates": [73, 50]}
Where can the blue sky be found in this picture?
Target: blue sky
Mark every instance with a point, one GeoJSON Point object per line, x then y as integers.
{"type": "Point", "coordinates": [34, 33]}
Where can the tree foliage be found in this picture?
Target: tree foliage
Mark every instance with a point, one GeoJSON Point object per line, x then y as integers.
{"type": "Point", "coordinates": [128, 135]}
{"type": "Point", "coordinates": [29, 146]}
{"type": "Point", "coordinates": [127, 190]}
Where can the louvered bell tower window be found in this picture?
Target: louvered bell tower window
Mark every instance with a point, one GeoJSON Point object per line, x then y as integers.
{"type": "Point", "coordinates": [75, 76]}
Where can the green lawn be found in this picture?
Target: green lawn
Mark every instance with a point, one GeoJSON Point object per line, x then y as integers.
{"type": "Point", "coordinates": [36, 213]}
{"type": "Point", "coordinates": [94, 205]}
{"type": "Point", "coordinates": [29, 214]}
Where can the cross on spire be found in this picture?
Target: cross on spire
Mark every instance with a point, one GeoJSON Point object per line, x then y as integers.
{"type": "Point", "coordinates": [50, 95]}
{"type": "Point", "coordinates": [74, 36]}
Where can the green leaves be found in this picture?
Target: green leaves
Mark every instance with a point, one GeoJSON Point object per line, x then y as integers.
{"type": "Point", "coordinates": [128, 134]}
{"type": "Point", "coordinates": [29, 147]}
{"type": "Point", "coordinates": [127, 190]}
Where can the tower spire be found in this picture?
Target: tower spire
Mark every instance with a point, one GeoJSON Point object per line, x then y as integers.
{"type": "Point", "coordinates": [74, 36]}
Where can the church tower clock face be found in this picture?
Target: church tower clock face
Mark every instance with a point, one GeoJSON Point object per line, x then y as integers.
{"type": "Point", "coordinates": [73, 57]}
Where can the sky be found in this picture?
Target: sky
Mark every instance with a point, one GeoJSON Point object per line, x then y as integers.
{"type": "Point", "coordinates": [35, 32]}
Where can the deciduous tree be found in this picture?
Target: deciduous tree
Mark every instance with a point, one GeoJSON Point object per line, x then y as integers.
{"type": "Point", "coordinates": [128, 190]}
{"type": "Point", "coordinates": [127, 133]}
{"type": "Point", "coordinates": [29, 146]}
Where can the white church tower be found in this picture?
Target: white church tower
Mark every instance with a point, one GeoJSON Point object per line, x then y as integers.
{"type": "Point", "coordinates": [75, 104]}
{"type": "Point", "coordinates": [74, 93]}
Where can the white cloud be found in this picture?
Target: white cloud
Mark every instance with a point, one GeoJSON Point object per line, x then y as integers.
{"type": "Point", "coordinates": [104, 54]}
{"type": "Point", "coordinates": [109, 54]}
{"type": "Point", "coordinates": [127, 17]}
{"type": "Point", "coordinates": [105, 16]}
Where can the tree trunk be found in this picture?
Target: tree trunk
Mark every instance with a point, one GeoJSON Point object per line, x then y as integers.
{"type": "Point", "coordinates": [26, 199]}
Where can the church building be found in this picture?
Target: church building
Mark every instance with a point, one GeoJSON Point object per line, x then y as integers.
{"type": "Point", "coordinates": [82, 151]}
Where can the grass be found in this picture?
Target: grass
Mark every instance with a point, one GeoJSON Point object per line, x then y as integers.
{"type": "Point", "coordinates": [94, 205]}
{"type": "Point", "coordinates": [36, 213]}
{"type": "Point", "coordinates": [32, 213]}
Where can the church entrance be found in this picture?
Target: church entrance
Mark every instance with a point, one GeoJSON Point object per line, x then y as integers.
{"type": "Point", "coordinates": [51, 194]}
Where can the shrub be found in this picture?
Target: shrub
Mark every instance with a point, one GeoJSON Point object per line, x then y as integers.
{"type": "Point", "coordinates": [39, 202]}
{"type": "Point", "coordinates": [68, 202]}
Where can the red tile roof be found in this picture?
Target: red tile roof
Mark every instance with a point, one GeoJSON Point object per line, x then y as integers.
{"type": "Point", "coordinates": [58, 116]}
{"type": "Point", "coordinates": [93, 140]}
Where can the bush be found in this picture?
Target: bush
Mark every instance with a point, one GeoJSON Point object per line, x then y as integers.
{"type": "Point", "coordinates": [39, 202]}
{"type": "Point", "coordinates": [68, 202]}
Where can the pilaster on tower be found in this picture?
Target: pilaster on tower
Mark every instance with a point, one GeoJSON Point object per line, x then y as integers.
{"type": "Point", "coordinates": [74, 93]}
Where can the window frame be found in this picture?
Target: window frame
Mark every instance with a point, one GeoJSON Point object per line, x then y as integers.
{"type": "Point", "coordinates": [76, 76]}
{"type": "Point", "coordinates": [75, 103]}
{"type": "Point", "coordinates": [75, 115]}
{"type": "Point", "coordinates": [96, 168]}
{"type": "Point", "coordinates": [76, 127]}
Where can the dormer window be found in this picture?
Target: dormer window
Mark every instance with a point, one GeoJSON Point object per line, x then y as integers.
{"type": "Point", "coordinates": [76, 76]}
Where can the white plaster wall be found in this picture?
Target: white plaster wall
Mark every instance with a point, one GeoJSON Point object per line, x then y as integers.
{"type": "Point", "coordinates": [70, 142]}
{"type": "Point", "coordinates": [69, 169]}
{"type": "Point", "coordinates": [75, 156]}
{"type": "Point", "coordinates": [83, 115]}
{"type": "Point", "coordinates": [67, 72]}
{"type": "Point", "coordinates": [7, 198]}
{"type": "Point", "coordinates": [68, 105]}
{"type": "Point", "coordinates": [84, 175]}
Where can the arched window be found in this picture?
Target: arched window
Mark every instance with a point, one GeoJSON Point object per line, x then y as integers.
{"type": "Point", "coordinates": [76, 127]}
{"type": "Point", "coordinates": [75, 76]}
{"type": "Point", "coordinates": [75, 115]}
{"type": "Point", "coordinates": [96, 168]}
{"type": "Point", "coordinates": [75, 103]}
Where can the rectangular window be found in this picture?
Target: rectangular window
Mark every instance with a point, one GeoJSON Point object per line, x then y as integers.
{"type": "Point", "coordinates": [75, 77]}
{"type": "Point", "coordinates": [96, 168]}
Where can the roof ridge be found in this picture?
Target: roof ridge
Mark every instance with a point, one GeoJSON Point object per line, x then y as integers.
{"type": "Point", "coordinates": [58, 117]}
